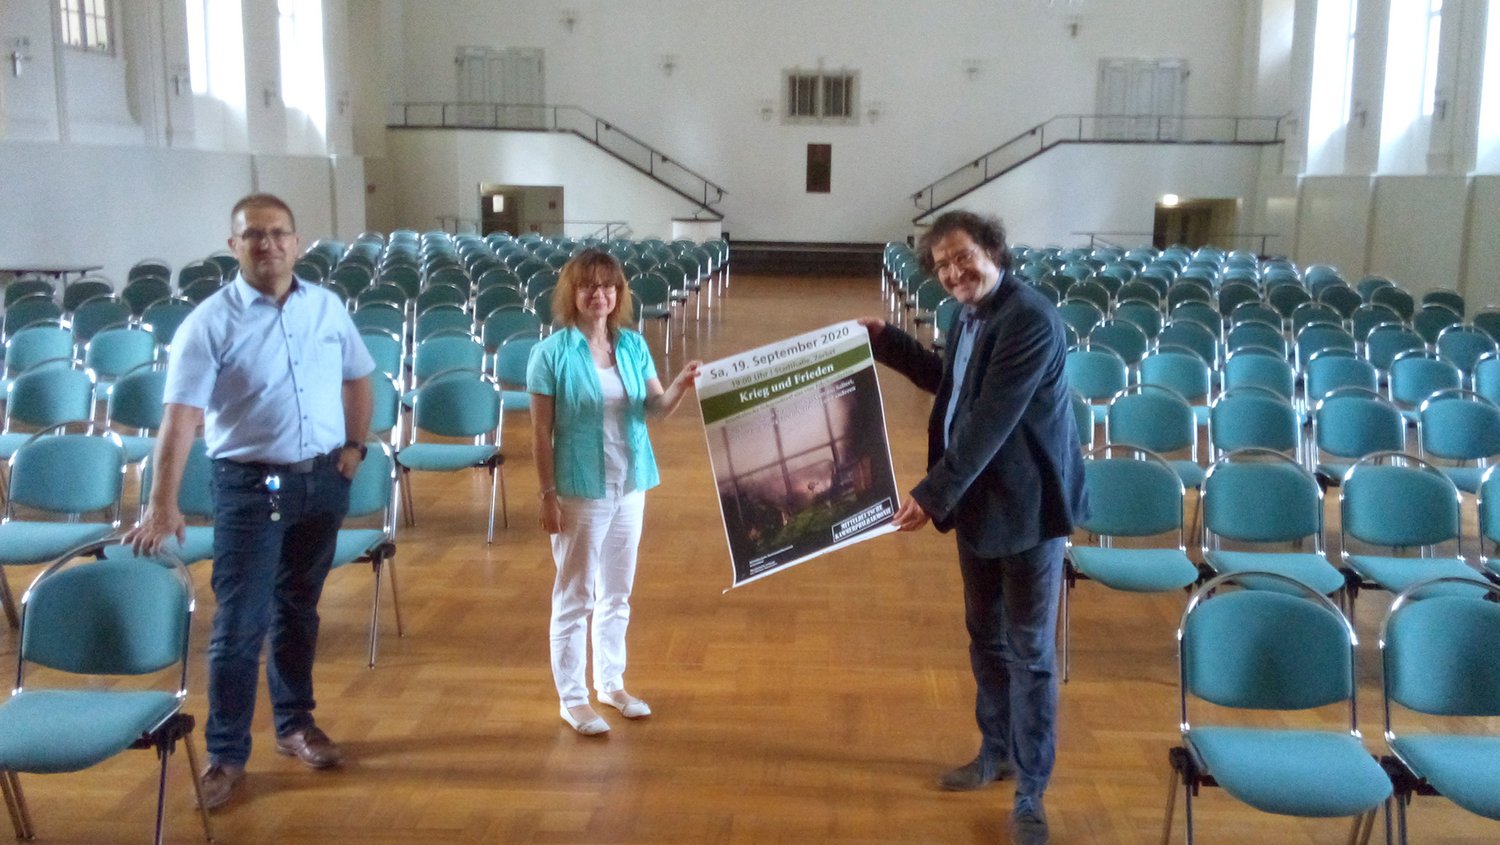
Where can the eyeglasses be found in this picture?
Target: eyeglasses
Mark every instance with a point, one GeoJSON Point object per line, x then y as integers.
{"type": "Point", "coordinates": [967, 258]}
{"type": "Point", "coordinates": [598, 286]}
{"type": "Point", "coordinates": [280, 236]}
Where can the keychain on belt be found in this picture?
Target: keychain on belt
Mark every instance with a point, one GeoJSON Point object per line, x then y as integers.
{"type": "Point", "coordinates": [273, 487]}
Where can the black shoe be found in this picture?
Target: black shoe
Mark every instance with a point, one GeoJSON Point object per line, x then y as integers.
{"type": "Point", "coordinates": [974, 775]}
{"type": "Point", "coordinates": [1028, 823]}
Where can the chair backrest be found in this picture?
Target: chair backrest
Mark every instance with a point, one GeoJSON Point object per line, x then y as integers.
{"type": "Point", "coordinates": [1255, 333]}
{"type": "Point", "coordinates": [135, 399]}
{"type": "Point", "coordinates": [1430, 320]}
{"type": "Point", "coordinates": [1463, 346]}
{"type": "Point", "coordinates": [81, 291]}
{"type": "Point", "coordinates": [1331, 369]}
{"type": "Point", "coordinates": [1366, 317]}
{"type": "Point", "coordinates": [1202, 313]}
{"type": "Point", "coordinates": [45, 396]}
{"type": "Point", "coordinates": [1122, 337]}
{"type": "Point", "coordinates": [1179, 370]}
{"type": "Point", "coordinates": [1253, 366]}
{"type": "Point", "coordinates": [164, 316]}
{"type": "Point", "coordinates": [36, 343]}
{"type": "Point", "coordinates": [386, 409]}
{"type": "Point", "coordinates": [67, 474]}
{"type": "Point", "coordinates": [441, 294]}
{"type": "Point", "coordinates": [98, 314]}
{"type": "Point", "coordinates": [1396, 299]}
{"type": "Point", "coordinates": [1261, 496]}
{"type": "Point", "coordinates": [142, 292]}
{"type": "Point", "coordinates": [1417, 374]}
{"type": "Point", "coordinates": [1450, 299]}
{"type": "Point", "coordinates": [1393, 500]}
{"type": "Point", "coordinates": [30, 310]}
{"type": "Point", "coordinates": [445, 352]}
{"type": "Point", "coordinates": [1341, 298]}
{"type": "Point", "coordinates": [1250, 417]}
{"type": "Point", "coordinates": [441, 318]}
{"type": "Point", "coordinates": [1458, 425]}
{"type": "Point", "coordinates": [117, 616]}
{"type": "Point", "coordinates": [507, 321]}
{"type": "Point", "coordinates": [1193, 335]}
{"type": "Point", "coordinates": [1151, 417]}
{"type": "Point", "coordinates": [512, 357]}
{"type": "Point", "coordinates": [1387, 340]}
{"type": "Point", "coordinates": [1081, 314]}
{"type": "Point", "coordinates": [1351, 422]}
{"type": "Point", "coordinates": [195, 492]}
{"type": "Point", "coordinates": [1441, 654]}
{"type": "Point", "coordinates": [1369, 284]}
{"type": "Point", "coordinates": [1313, 313]}
{"type": "Point", "coordinates": [1315, 337]}
{"type": "Point", "coordinates": [1265, 649]}
{"type": "Point", "coordinates": [372, 489]}
{"type": "Point", "coordinates": [458, 407]}
{"type": "Point", "coordinates": [386, 349]}
{"type": "Point", "coordinates": [114, 351]}
{"type": "Point", "coordinates": [1286, 298]}
{"type": "Point", "coordinates": [1135, 495]}
{"type": "Point", "coordinates": [1096, 373]}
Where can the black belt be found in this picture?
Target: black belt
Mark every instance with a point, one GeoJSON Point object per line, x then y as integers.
{"type": "Point", "coordinates": [299, 468]}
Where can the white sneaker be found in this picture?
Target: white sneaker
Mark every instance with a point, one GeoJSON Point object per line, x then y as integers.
{"type": "Point", "coordinates": [584, 720]}
{"type": "Point", "coordinates": [629, 706]}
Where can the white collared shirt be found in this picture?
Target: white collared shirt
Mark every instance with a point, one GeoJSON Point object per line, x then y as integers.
{"type": "Point", "coordinates": [269, 379]}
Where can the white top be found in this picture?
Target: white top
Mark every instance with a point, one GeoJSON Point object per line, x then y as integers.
{"type": "Point", "coordinates": [269, 379]}
{"type": "Point", "coordinates": [616, 449]}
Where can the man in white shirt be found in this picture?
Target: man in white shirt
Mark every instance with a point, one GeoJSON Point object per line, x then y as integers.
{"type": "Point", "coordinates": [275, 372]}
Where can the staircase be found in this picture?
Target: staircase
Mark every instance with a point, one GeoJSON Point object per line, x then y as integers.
{"type": "Point", "coordinates": [670, 174]}
{"type": "Point", "coordinates": [1092, 129]}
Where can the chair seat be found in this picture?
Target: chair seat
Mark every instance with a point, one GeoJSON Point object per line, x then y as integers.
{"type": "Point", "coordinates": [9, 443]}
{"type": "Point", "coordinates": [1136, 570]}
{"type": "Point", "coordinates": [41, 542]}
{"type": "Point", "coordinates": [1200, 415]}
{"type": "Point", "coordinates": [515, 400]}
{"type": "Point", "coordinates": [354, 543]}
{"type": "Point", "coordinates": [445, 457]}
{"type": "Point", "coordinates": [137, 449]}
{"type": "Point", "coordinates": [1317, 774]}
{"type": "Point", "coordinates": [1100, 412]}
{"type": "Point", "coordinates": [1310, 568]}
{"type": "Point", "coordinates": [1465, 478]}
{"type": "Point", "coordinates": [49, 731]}
{"type": "Point", "coordinates": [1397, 573]}
{"type": "Point", "coordinates": [1190, 472]}
{"type": "Point", "coordinates": [1465, 769]}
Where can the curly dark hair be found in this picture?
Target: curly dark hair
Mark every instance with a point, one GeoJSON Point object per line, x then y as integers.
{"type": "Point", "coordinates": [988, 233]}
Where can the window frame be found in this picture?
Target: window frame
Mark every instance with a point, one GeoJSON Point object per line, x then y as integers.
{"type": "Point", "coordinates": [82, 20]}
{"type": "Point", "coordinates": [807, 96]}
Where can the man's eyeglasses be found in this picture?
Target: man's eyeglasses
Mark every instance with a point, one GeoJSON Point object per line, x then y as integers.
{"type": "Point", "coordinates": [967, 258]}
{"type": "Point", "coordinates": [280, 236]}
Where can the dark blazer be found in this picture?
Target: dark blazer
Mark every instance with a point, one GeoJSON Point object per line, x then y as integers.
{"type": "Point", "coordinates": [1012, 474]}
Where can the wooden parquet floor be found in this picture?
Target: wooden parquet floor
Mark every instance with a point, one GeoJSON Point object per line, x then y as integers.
{"type": "Point", "coordinates": [815, 706]}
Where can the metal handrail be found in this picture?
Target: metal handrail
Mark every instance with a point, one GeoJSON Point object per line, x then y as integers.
{"type": "Point", "coordinates": [545, 117]}
{"type": "Point", "coordinates": [1097, 129]}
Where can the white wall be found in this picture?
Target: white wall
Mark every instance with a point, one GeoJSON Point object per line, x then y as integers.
{"type": "Point", "coordinates": [1482, 244]}
{"type": "Point", "coordinates": [1333, 222]}
{"type": "Point", "coordinates": [730, 57]}
{"type": "Point", "coordinates": [1417, 230]}
{"type": "Point", "coordinates": [440, 171]}
{"type": "Point", "coordinates": [1113, 188]}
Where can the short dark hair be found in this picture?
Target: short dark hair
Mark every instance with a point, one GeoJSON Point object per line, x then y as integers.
{"type": "Point", "coordinates": [261, 201]}
{"type": "Point", "coordinates": [987, 232]}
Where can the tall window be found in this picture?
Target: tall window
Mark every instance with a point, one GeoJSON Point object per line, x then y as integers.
{"type": "Point", "coordinates": [197, 36]}
{"type": "Point", "coordinates": [303, 86]}
{"type": "Point", "coordinates": [821, 97]}
{"type": "Point", "coordinates": [1332, 83]}
{"type": "Point", "coordinates": [85, 24]}
{"type": "Point", "coordinates": [1430, 66]}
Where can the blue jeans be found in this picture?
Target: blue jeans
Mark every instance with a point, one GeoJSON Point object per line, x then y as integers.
{"type": "Point", "coordinates": [1010, 607]}
{"type": "Point", "coordinates": [267, 578]}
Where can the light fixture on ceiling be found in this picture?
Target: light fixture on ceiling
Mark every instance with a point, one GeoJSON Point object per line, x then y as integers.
{"type": "Point", "coordinates": [1170, 201]}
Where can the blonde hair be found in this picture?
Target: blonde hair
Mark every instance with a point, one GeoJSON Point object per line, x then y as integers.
{"type": "Point", "coordinates": [581, 270]}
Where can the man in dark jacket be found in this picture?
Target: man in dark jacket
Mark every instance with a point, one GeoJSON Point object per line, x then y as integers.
{"type": "Point", "coordinates": [1006, 471]}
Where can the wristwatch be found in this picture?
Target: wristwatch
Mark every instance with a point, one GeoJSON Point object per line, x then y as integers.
{"type": "Point", "coordinates": [355, 444]}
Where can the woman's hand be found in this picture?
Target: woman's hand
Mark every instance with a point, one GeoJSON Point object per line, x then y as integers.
{"type": "Point", "coordinates": [552, 520]}
{"type": "Point", "coordinates": [873, 325]}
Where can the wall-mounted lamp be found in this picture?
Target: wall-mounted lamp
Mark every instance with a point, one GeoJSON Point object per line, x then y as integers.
{"type": "Point", "coordinates": [568, 19]}
{"type": "Point", "coordinates": [767, 109]}
{"type": "Point", "coordinates": [668, 63]}
{"type": "Point", "coordinates": [1169, 201]}
{"type": "Point", "coordinates": [971, 68]}
{"type": "Point", "coordinates": [18, 54]}
{"type": "Point", "coordinates": [874, 109]}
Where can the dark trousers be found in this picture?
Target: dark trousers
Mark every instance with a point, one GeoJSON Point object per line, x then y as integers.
{"type": "Point", "coordinates": [268, 576]}
{"type": "Point", "coordinates": [1010, 607]}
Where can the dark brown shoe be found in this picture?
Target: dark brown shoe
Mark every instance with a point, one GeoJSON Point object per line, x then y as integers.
{"type": "Point", "coordinates": [975, 775]}
{"type": "Point", "coordinates": [311, 746]}
{"type": "Point", "coordinates": [218, 784]}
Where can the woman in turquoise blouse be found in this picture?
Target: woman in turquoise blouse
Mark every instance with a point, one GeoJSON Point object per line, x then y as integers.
{"type": "Point", "coordinates": [592, 386]}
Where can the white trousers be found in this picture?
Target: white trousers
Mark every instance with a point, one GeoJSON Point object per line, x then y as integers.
{"type": "Point", "coordinates": [595, 555]}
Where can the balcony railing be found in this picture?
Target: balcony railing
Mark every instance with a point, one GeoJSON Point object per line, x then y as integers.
{"type": "Point", "coordinates": [554, 118]}
{"type": "Point", "coordinates": [1100, 129]}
